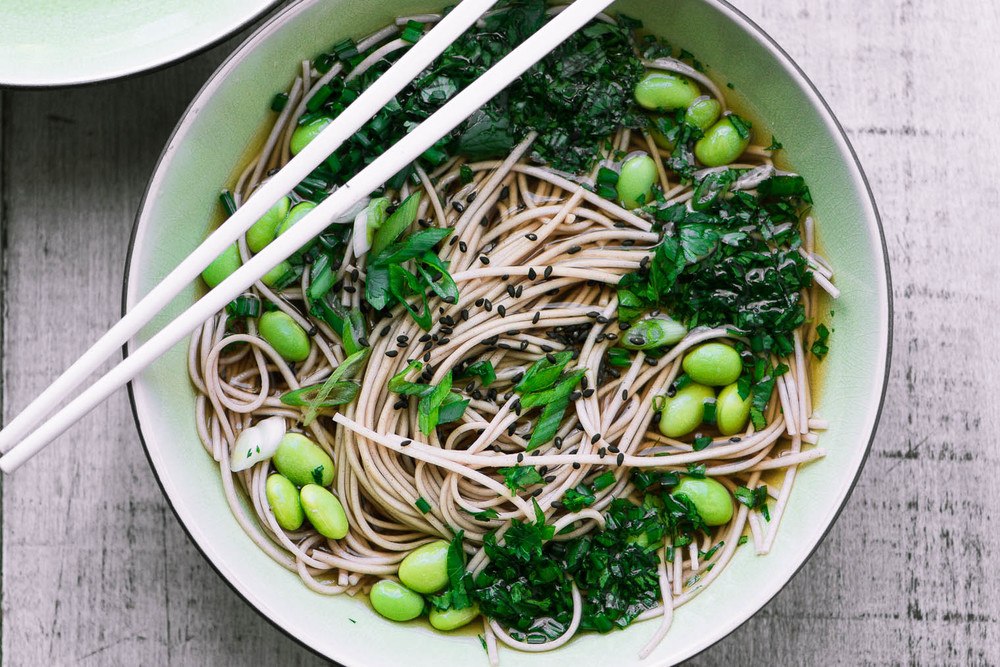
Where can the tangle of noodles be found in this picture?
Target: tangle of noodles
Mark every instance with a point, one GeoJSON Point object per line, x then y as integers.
{"type": "Point", "coordinates": [536, 257]}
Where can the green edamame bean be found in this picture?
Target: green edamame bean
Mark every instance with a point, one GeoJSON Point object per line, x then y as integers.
{"type": "Point", "coordinates": [703, 112]}
{"type": "Point", "coordinates": [425, 569]}
{"type": "Point", "coordinates": [721, 145]}
{"type": "Point", "coordinates": [666, 91]}
{"type": "Point", "coordinates": [635, 181]}
{"type": "Point", "coordinates": [304, 134]}
{"type": "Point", "coordinates": [714, 364]}
{"type": "Point", "coordinates": [685, 411]}
{"type": "Point", "coordinates": [296, 213]}
{"type": "Point", "coordinates": [222, 266]}
{"type": "Point", "coordinates": [653, 333]}
{"type": "Point", "coordinates": [395, 601]}
{"type": "Point", "coordinates": [324, 511]}
{"type": "Point", "coordinates": [302, 461]}
{"type": "Point", "coordinates": [731, 411]}
{"type": "Point", "coordinates": [263, 231]}
{"type": "Point", "coordinates": [283, 498]}
{"type": "Point", "coordinates": [711, 499]}
{"type": "Point", "coordinates": [272, 277]}
{"type": "Point", "coordinates": [453, 619]}
{"type": "Point", "coordinates": [285, 335]}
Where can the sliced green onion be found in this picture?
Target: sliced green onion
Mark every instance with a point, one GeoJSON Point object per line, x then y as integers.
{"type": "Point", "coordinates": [228, 203]}
{"type": "Point", "coordinates": [247, 305]}
{"type": "Point", "coordinates": [413, 31]}
{"type": "Point", "coordinates": [279, 101]}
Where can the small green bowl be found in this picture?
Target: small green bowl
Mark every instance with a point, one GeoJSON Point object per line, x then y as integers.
{"type": "Point", "coordinates": [69, 42]}
{"type": "Point", "coordinates": [217, 133]}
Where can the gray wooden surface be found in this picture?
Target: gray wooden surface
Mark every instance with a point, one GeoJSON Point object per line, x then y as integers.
{"type": "Point", "coordinates": [96, 570]}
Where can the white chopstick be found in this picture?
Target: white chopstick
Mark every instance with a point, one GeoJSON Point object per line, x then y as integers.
{"type": "Point", "coordinates": [411, 63]}
{"type": "Point", "coordinates": [371, 177]}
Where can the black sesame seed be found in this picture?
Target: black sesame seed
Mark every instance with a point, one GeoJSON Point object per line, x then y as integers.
{"type": "Point", "coordinates": [463, 246]}
{"type": "Point", "coordinates": [531, 274]}
{"type": "Point", "coordinates": [602, 320]}
{"type": "Point", "coordinates": [595, 438]}
{"type": "Point", "coordinates": [551, 358]}
{"type": "Point", "coordinates": [453, 240]}
{"type": "Point", "coordinates": [624, 394]}
{"type": "Point", "coordinates": [400, 404]}
{"type": "Point", "coordinates": [313, 330]}
{"type": "Point", "coordinates": [384, 331]}
{"type": "Point", "coordinates": [613, 449]}
{"type": "Point", "coordinates": [587, 393]}
{"type": "Point", "coordinates": [575, 396]}
{"type": "Point", "coordinates": [471, 198]}
{"type": "Point", "coordinates": [548, 479]}
{"type": "Point", "coordinates": [558, 442]}
{"type": "Point", "coordinates": [576, 465]}
{"type": "Point", "coordinates": [512, 428]}
{"type": "Point", "coordinates": [427, 357]}
{"type": "Point", "coordinates": [479, 302]}
{"type": "Point", "coordinates": [465, 314]}
{"type": "Point", "coordinates": [621, 459]}
{"type": "Point", "coordinates": [510, 290]}
{"type": "Point", "coordinates": [573, 250]}
{"type": "Point", "coordinates": [501, 310]}
{"type": "Point", "coordinates": [459, 206]}
{"type": "Point", "coordinates": [424, 338]}
{"type": "Point", "coordinates": [602, 452]}
{"type": "Point", "coordinates": [484, 259]}
{"type": "Point", "coordinates": [547, 272]}
{"type": "Point", "coordinates": [735, 438]}
{"type": "Point", "coordinates": [350, 289]}
{"type": "Point", "coordinates": [520, 457]}
{"type": "Point", "coordinates": [405, 443]}
{"type": "Point", "coordinates": [531, 236]}
{"type": "Point", "coordinates": [547, 348]}
{"type": "Point", "coordinates": [538, 316]}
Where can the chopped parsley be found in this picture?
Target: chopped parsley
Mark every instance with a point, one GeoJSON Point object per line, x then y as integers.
{"type": "Point", "coordinates": [755, 499]}
{"type": "Point", "coordinates": [821, 345]}
{"type": "Point", "coordinates": [518, 478]}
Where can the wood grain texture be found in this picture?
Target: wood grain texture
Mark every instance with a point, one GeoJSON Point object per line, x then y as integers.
{"type": "Point", "coordinates": [96, 569]}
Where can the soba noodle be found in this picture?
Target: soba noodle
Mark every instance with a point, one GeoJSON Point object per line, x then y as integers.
{"type": "Point", "coordinates": [536, 255]}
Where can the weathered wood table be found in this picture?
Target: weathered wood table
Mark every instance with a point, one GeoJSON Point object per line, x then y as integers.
{"type": "Point", "coordinates": [96, 570]}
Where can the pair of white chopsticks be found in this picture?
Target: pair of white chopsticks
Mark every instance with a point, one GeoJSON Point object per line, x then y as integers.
{"type": "Point", "coordinates": [18, 442]}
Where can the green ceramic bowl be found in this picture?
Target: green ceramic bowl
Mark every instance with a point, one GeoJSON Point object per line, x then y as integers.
{"type": "Point", "coordinates": [214, 137]}
{"type": "Point", "coordinates": [67, 42]}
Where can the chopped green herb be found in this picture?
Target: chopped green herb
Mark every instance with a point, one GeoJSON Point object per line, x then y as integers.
{"type": "Point", "coordinates": [755, 499]}
{"type": "Point", "coordinates": [820, 346]}
{"type": "Point", "coordinates": [775, 144]}
{"type": "Point", "coordinates": [519, 478]}
{"type": "Point", "coordinates": [422, 505]}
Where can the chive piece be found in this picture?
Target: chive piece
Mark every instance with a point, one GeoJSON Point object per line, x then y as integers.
{"type": "Point", "coordinates": [319, 97]}
{"type": "Point", "coordinates": [228, 203]}
{"type": "Point", "coordinates": [278, 102]}
{"type": "Point", "coordinates": [604, 480]}
{"type": "Point", "coordinates": [247, 305]}
{"type": "Point", "coordinates": [423, 505]}
{"type": "Point", "coordinates": [413, 31]}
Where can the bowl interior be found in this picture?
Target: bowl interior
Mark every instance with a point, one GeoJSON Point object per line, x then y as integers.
{"type": "Point", "coordinates": [180, 207]}
{"type": "Point", "coordinates": [61, 42]}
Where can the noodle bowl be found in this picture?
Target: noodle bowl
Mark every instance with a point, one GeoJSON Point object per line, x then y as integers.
{"type": "Point", "coordinates": [536, 255]}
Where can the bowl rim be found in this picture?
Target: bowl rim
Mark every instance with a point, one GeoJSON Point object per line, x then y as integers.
{"type": "Point", "coordinates": [756, 31]}
{"type": "Point", "coordinates": [126, 73]}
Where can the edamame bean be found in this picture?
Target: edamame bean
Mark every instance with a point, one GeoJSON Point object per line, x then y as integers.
{"type": "Point", "coordinates": [666, 91]}
{"type": "Point", "coordinates": [711, 499]}
{"type": "Point", "coordinates": [685, 411]}
{"type": "Point", "coordinates": [272, 277]}
{"type": "Point", "coordinates": [303, 461]}
{"type": "Point", "coordinates": [296, 213]}
{"type": "Point", "coordinates": [721, 145]}
{"type": "Point", "coordinates": [714, 364]}
{"type": "Point", "coordinates": [285, 335]}
{"type": "Point", "coordinates": [425, 569]}
{"type": "Point", "coordinates": [304, 134]}
{"type": "Point", "coordinates": [635, 181]}
{"type": "Point", "coordinates": [283, 498]}
{"type": "Point", "coordinates": [703, 112]}
{"type": "Point", "coordinates": [731, 411]}
{"type": "Point", "coordinates": [395, 601]}
{"type": "Point", "coordinates": [263, 231]}
{"type": "Point", "coordinates": [653, 333]}
{"type": "Point", "coordinates": [324, 511]}
{"type": "Point", "coordinates": [222, 266]}
{"type": "Point", "coordinates": [453, 619]}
